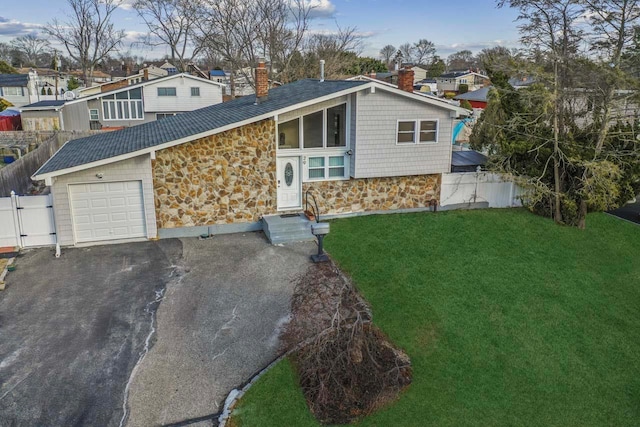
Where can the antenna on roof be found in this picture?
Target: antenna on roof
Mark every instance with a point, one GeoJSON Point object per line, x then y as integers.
{"type": "Point", "coordinates": [321, 70]}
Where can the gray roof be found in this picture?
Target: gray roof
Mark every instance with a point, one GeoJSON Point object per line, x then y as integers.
{"type": "Point", "coordinates": [14, 80]}
{"type": "Point", "coordinates": [468, 158]}
{"type": "Point", "coordinates": [477, 95]}
{"type": "Point", "coordinates": [45, 105]}
{"type": "Point", "coordinates": [111, 144]}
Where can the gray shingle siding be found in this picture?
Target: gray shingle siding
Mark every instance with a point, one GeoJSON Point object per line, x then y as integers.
{"type": "Point", "coordinates": [135, 169]}
{"type": "Point", "coordinates": [377, 153]}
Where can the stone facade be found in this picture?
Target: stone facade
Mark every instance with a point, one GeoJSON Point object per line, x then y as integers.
{"type": "Point", "coordinates": [222, 179]}
{"type": "Point", "coordinates": [375, 194]}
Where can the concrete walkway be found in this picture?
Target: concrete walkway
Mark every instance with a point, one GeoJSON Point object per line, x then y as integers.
{"type": "Point", "coordinates": [217, 325]}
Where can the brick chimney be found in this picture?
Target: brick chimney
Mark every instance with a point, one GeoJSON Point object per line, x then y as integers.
{"type": "Point", "coordinates": [373, 74]}
{"type": "Point", "coordinates": [405, 79]}
{"type": "Point", "coordinates": [262, 81]}
{"type": "Point", "coordinates": [145, 73]}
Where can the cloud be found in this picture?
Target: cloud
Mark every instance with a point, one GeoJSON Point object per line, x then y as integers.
{"type": "Point", "coordinates": [447, 49]}
{"type": "Point", "coordinates": [127, 4]}
{"type": "Point", "coordinates": [318, 9]}
{"type": "Point", "coordinates": [13, 28]}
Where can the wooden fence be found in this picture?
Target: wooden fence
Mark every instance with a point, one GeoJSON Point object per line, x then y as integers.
{"type": "Point", "coordinates": [16, 176]}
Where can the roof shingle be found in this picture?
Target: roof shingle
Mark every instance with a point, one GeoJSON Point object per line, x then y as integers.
{"type": "Point", "coordinates": [111, 144]}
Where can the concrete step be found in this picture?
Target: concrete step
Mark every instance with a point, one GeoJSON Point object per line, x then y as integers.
{"type": "Point", "coordinates": [290, 229]}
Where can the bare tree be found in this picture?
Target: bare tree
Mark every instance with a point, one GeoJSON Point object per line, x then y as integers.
{"type": "Point", "coordinates": [407, 51]}
{"type": "Point", "coordinates": [338, 49]}
{"type": "Point", "coordinates": [424, 51]}
{"type": "Point", "coordinates": [88, 34]}
{"type": "Point", "coordinates": [462, 60]}
{"type": "Point", "coordinates": [172, 23]}
{"type": "Point", "coordinates": [387, 53]}
{"type": "Point", "coordinates": [31, 48]}
{"type": "Point", "coordinates": [240, 32]}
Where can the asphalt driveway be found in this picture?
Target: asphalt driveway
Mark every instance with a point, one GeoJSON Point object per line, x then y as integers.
{"type": "Point", "coordinates": [630, 212]}
{"type": "Point", "coordinates": [141, 334]}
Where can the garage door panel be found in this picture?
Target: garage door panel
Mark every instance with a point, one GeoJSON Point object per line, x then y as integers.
{"type": "Point", "coordinates": [103, 211]}
{"type": "Point", "coordinates": [96, 188]}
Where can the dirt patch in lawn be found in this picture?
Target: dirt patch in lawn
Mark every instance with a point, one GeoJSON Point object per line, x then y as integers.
{"type": "Point", "coordinates": [347, 367]}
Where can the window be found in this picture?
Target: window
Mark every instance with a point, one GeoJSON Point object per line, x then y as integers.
{"type": "Point", "coordinates": [336, 167]}
{"type": "Point", "coordinates": [12, 91]}
{"type": "Point", "coordinates": [289, 134]}
{"type": "Point", "coordinates": [166, 91]}
{"type": "Point", "coordinates": [406, 132]}
{"type": "Point", "coordinates": [316, 167]}
{"type": "Point", "coordinates": [322, 167]}
{"type": "Point", "coordinates": [313, 136]}
{"type": "Point", "coordinates": [428, 131]}
{"type": "Point", "coordinates": [126, 105]}
{"type": "Point", "coordinates": [336, 132]}
{"type": "Point", "coordinates": [195, 91]}
{"type": "Point", "coordinates": [417, 131]}
{"type": "Point", "coordinates": [93, 115]}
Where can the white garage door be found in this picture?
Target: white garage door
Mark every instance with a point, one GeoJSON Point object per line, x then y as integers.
{"type": "Point", "coordinates": [107, 210]}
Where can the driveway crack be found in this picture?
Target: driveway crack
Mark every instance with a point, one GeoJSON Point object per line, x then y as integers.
{"type": "Point", "coordinates": [150, 308]}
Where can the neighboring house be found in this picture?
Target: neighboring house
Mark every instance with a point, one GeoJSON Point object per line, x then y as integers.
{"type": "Point", "coordinates": [96, 78]}
{"type": "Point", "coordinates": [477, 98]}
{"type": "Point", "coordinates": [427, 85]}
{"type": "Point", "coordinates": [148, 73]}
{"type": "Point", "coordinates": [522, 82]}
{"type": "Point", "coordinates": [419, 73]}
{"type": "Point", "coordinates": [169, 67]}
{"type": "Point", "coordinates": [48, 79]}
{"type": "Point", "coordinates": [357, 146]}
{"type": "Point", "coordinates": [450, 82]}
{"type": "Point", "coordinates": [43, 115]}
{"type": "Point", "coordinates": [219, 76]}
{"type": "Point", "coordinates": [19, 89]}
{"type": "Point", "coordinates": [131, 105]}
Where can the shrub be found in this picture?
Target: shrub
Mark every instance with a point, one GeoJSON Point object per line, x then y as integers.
{"type": "Point", "coordinates": [463, 88]}
{"type": "Point", "coordinates": [466, 104]}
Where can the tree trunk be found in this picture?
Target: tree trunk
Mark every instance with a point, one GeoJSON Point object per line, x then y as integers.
{"type": "Point", "coordinates": [582, 215]}
{"type": "Point", "coordinates": [557, 216]}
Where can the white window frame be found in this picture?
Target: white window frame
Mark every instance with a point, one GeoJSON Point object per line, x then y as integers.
{"type": "Point", "coordinates": [416, 133]}
{"type": "Point", "coordinates": [117, 105]}
{"type": "Point", "coordinates": [165, 88]}
{"type": "Point", "coordinates": [327, 167]}
{"type": "Point", "coordinates": [97, 116]}
{"type": "Point", "coordinates": [166, 115]}
{"type": "Point", "coordinates": [198, 89]}
{"type": "Point", "coordinates": [19, 91]}
{"type": "Point", "coordinates": [323, 151]}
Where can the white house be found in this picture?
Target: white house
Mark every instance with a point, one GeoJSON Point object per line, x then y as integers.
{"type": "Point", "coordinates": [130, 105]}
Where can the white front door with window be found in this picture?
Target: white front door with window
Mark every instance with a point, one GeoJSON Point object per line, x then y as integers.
{"type": "Point", "coordinates": [289, 183]}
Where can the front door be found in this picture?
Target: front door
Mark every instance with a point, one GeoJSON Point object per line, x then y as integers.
{"type": "Point", "coordinates": [289, 186]}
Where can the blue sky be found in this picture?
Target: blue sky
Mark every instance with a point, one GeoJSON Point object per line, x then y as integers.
{"type": "Point", "coordinates": [451, 25]}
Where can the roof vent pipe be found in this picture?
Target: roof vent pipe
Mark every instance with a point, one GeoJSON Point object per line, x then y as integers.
{"type": "Point", "coordinates": [321, 70]}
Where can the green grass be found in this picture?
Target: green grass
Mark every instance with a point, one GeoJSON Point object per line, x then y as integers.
{"type": "Point", "coordinates": [508, 319]}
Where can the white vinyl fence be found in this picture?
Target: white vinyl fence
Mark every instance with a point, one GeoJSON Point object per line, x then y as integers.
{"type": "Point", "coordinates": [26, 221]}
{"type": "Point", "coordinates": [479, 187]}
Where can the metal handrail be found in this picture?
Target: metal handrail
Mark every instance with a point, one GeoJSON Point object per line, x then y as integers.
{"type": "Point", "coordinates": [314, 207]}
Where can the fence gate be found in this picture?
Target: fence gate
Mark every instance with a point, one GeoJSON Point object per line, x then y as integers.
{"type": "Point", "coordinates": [27, 221]}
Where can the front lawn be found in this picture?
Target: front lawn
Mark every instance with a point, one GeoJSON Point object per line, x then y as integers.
{"type": "Point", "coordinates": [508, 319]}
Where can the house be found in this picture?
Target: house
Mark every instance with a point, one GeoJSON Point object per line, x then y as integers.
{"type": "Point", "coordinates": [357, 146]}
{"type": "Point", "coordinates": [49, 84]}
{"type": "Point", "coordinates": [43, 115]}
{"type": "Point", "coordinates": [18, 89]}
{"type": "Point", "coordinates": [148, 73]}
{"type": "Point", "coordinates": [419, 73]}
{"type": "Point", "coordinates": [129, 105]}
{"type": "Point", "coordinates": [219, 76]}
{"type": "Point", "coordinates": [169, 67]}
{"type": "Point", "coordinates": [477, 98]}
{"type": "Point", "coordinates": [450, 82]}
